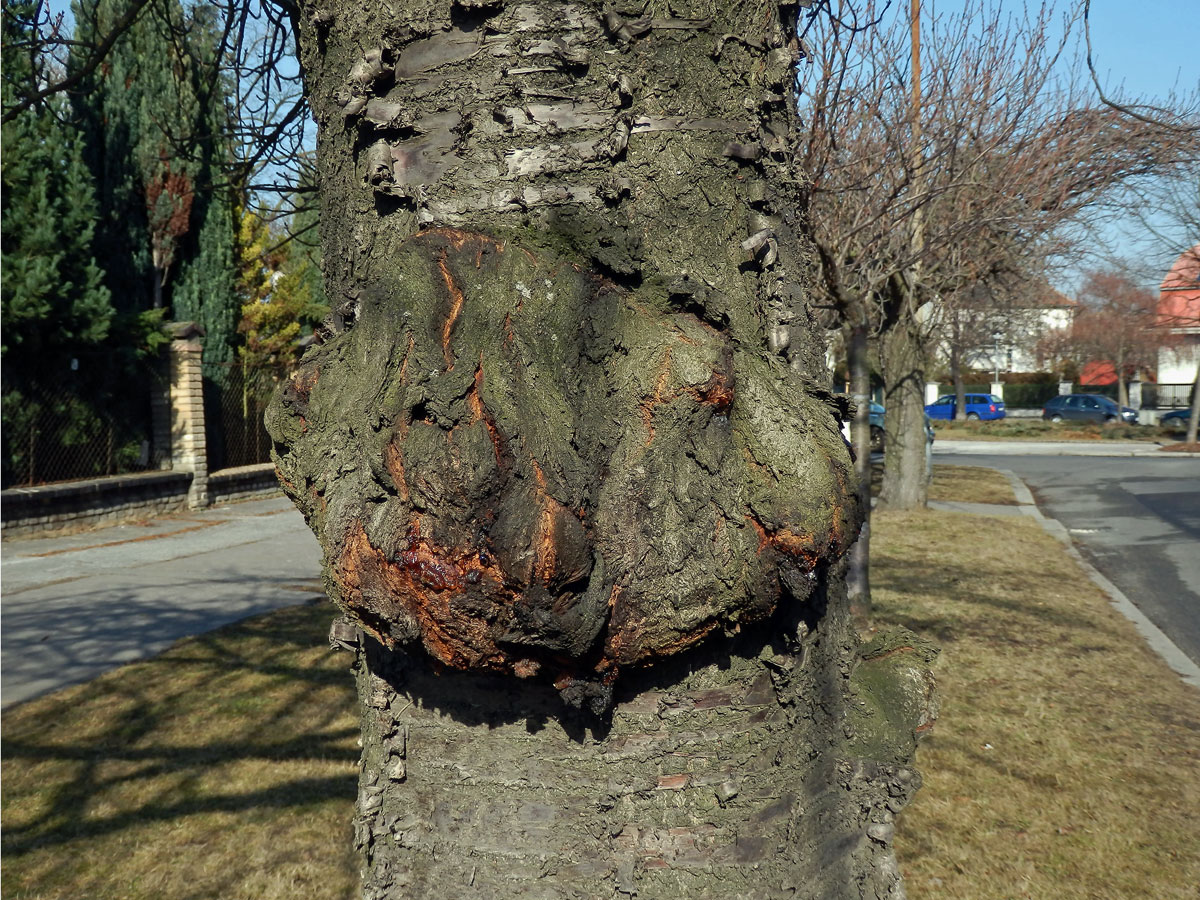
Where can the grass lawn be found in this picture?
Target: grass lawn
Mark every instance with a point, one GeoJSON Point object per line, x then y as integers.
{"type": "Point", "coordinates": [967, 484]}
{"type": "Point", "coordinates": [1041, 430]}
{"type": "Point", "coordinates": [224, 768]}
{"type": "Point", "coordinates": [1066, 763]}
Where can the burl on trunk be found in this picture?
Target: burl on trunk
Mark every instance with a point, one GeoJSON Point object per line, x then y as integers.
{"type": "Point", "coordinates": [581, 501]}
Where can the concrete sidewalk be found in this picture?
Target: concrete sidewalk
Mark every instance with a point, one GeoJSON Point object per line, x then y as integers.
{"type": "Point", "coordinates": [1056, 448]}
{"type": "Point", "coordinates": [74, 607]}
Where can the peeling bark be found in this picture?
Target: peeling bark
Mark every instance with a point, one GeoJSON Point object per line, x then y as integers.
{"type": "Point", "coordinates": [561, 454]}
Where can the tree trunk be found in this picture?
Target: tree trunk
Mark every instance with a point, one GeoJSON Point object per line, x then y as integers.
{"type": "Point", "coordinates": [858, 576]}
{"type": "Point", "coordinates": [589, 533]}
{"type": "Point", "coordinates": [159, 281]}
{"type": "Point", "coordinates": [905, 475]}
{"type": "Point", "coordinates": [1194, 421]}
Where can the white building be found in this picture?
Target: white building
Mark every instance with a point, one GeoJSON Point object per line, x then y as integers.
{"type": "Point", "coordinates": [1024, 333]}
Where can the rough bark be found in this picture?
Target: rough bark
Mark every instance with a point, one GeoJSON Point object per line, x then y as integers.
{"type": "Point", "coordinates": [586, 523]}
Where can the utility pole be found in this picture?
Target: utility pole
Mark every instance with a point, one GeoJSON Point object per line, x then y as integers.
{"type": "Point", "coordinates": [918, 236]}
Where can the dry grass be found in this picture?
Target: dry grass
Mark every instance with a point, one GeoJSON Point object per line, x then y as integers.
{"type": "Point", "coordinates": [971, 484]}
{"type": "Point", "coordinates": [1066, 762]}
{"type": "Point", "coordinates": [968, 484]}
{"type": "Point", "coordinates": [225, 768]}
{"type": "Point", "coordinates": [1064, 765]}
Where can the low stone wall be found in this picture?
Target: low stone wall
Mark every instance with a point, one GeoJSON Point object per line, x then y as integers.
{"type": "Point", "coordinates": [121, 498]}
{"type": "Point", "coordinates": [242, 483]}
{"type": "Point", "coordinates": [96, 501]}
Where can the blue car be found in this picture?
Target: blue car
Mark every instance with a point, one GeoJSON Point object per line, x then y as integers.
{"type": "Point", "coordinates": [978, 406]}
{"type": "Point", "coordinates": [877, 432]}
{"type": "Point", "coordinates": [1087, 408]}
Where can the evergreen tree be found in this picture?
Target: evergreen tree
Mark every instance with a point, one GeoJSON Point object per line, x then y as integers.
{"type": "Point", "coordinates": [157, 119]}
{"type": "Point", "coordinates": [279, 284]}
{"type": "Point", "coordinates": [206, 286]}
{"type": "Point", "coordinates": [57, 312]}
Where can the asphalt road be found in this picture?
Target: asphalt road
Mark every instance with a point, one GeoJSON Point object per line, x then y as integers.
{"type": "Point", "coordinates": [78, 606]}
{"type": "Point", "coordinates": [1136, 519]}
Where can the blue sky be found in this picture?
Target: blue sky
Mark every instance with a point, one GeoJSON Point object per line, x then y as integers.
{"type": "Point", "coordinates": [1151, 45]}
{"type": "Point", "coordinates": [1148, 48]}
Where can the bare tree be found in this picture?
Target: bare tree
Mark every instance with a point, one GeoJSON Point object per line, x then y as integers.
{"type": "Point", "coordinates": [1008, 155]}
{"type": "Point", "coordinates": [1118, 325]}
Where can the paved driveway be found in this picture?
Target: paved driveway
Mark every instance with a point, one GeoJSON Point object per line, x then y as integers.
{"type": "Point", "coordinates": [75, 607]}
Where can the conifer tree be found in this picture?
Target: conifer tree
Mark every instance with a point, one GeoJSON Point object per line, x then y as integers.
{"type": "Point", "coordinates": [206, 286]}
{"type": "Point", "coordinates": [157, 121]}
{"type": "Point", "coordinates": [57, 312]}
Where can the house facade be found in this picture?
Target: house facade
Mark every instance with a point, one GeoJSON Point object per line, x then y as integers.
{"type": "Point", "coordinates": [1179, 317]}
{"type": "Point", "coordinates": [1025, 332]}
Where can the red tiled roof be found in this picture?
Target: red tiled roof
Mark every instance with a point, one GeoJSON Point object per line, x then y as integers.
{"type": "Point", "coordinates": [1179, 297]}
{"type": "Point", "coordinates": [1185, 274]}
{"type": "Point", "coordinates": [1100, 372]}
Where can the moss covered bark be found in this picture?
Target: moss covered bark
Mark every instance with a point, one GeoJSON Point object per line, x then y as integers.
{"type": "Point", "coordinates": [582, 508]}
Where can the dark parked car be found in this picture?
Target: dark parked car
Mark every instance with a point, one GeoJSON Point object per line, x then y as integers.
{"type": "Point", "coordinates": [978, 406]}
{"type": "Point", "coordinates": [878, 432]}
{"type": "Point", "coordinates": [1087, 408]}
{"type": "Point", "coordinates": [1176, 419]}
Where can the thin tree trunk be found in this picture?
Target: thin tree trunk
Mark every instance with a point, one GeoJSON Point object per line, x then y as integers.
{"type": "Point", "coordinates": [590, 533]}
{"type": "Point", "coordinates": [960, 390]}
{"type": "Point", "coordinates": [1195, 417]}
{"type": "Point", "coordinates": [905, 478]}
{"type": "Point", "coordinates": [858, 577]}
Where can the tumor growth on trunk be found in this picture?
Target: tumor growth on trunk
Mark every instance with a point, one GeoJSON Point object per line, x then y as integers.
{"type": "Point", "coordinates": [530, 470]}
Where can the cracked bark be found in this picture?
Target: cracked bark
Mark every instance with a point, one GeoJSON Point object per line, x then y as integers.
{"type": "Point", "coordinates": [584, 517]}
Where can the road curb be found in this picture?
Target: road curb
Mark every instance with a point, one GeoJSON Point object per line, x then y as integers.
{"type": "Point", "coordinates": [1179, 661]}
{"type": "Point", "coordinates": [1052, 448]}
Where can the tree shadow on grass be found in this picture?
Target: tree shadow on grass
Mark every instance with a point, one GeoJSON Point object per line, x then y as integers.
{"type": "Point", "coordinates": [257, 716]}
{"type": "Point", "coordinates": [972, 595]}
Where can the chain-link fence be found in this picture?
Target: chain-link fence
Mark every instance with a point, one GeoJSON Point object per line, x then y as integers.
{"type": "Point", "coordinates": [54, 434]}
{"type": "Point", "coordinates": [235, 400]}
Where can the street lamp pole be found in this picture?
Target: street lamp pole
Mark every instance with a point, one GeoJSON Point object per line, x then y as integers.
{"type": "Point", "coordinates": [996, 356]}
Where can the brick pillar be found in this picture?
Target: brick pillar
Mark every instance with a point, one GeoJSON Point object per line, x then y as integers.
{"type": "Point", "coordinates": [188, 444]}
